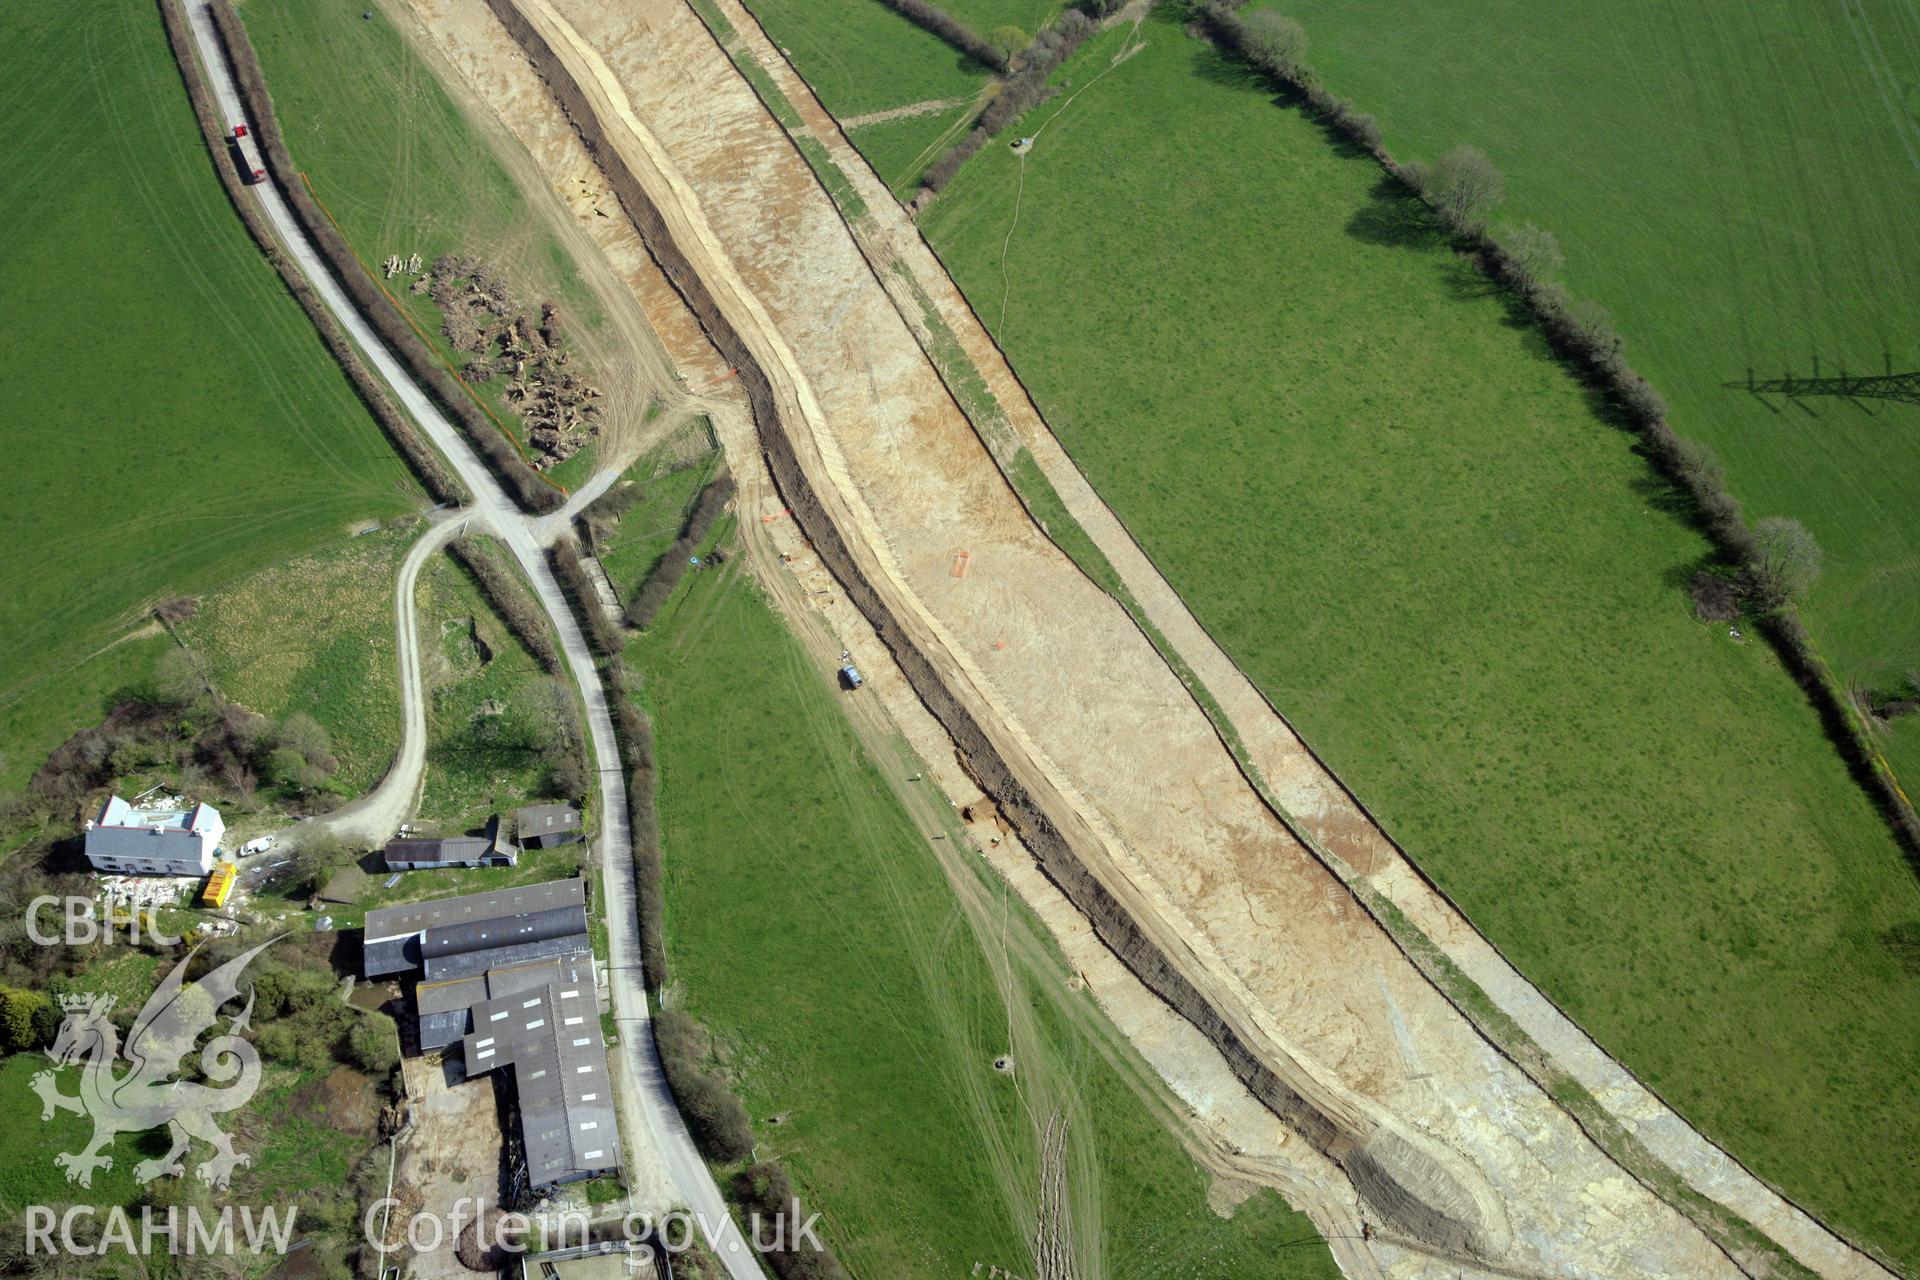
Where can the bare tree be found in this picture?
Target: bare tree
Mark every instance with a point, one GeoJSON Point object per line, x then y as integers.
{"type": "Point", "coordinates": [1465, 188]}
{"type": "Point", "coordinates": [177, 681]}
{"type": "Point", "coordinates": [1786, 561]}
{"type": "Point", "coordinates": [1532, 252]}
{"type": "Point", "coordinates": [1274, 41]}
{"type": "Point", "coordinates": [1699, 466]}
{"type": "Point", "coordinates": [301, 733]}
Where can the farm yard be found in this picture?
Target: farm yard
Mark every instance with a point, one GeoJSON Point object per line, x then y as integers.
{"type": "Point", "coordinates": [1737, 184]}
{"type": "Point", "coordinates": [190, 399]}
{"type": "Point", "coordinates": [1404, 521]}
{"type": "Point", "coordinates": [805, 911]}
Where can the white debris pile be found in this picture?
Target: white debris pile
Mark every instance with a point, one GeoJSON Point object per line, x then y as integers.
{"type": "Point", "coordinates": [141, 891]}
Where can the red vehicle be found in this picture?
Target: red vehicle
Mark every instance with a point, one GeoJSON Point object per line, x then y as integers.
{"type": "Point", "coordinates": [246, 158]}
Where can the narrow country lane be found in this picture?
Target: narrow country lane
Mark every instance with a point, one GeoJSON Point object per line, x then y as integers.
{"type": "Point", "coordinates": [492, 511]}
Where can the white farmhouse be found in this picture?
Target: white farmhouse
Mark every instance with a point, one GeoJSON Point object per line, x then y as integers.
{"type": "Point", "coordinates": [170, 841]}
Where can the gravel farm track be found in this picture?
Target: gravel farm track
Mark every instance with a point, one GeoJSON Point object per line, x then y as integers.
{"type": "Point", "coordinates": [1108, 769]}
{"type": "Point", "coordinates": [1237, 958]}
{"type": "Point", "coordinates": [668, 1153]}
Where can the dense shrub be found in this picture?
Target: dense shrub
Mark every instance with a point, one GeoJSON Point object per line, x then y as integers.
{"type": "Point", "coordinates": [603, 632]}
{"type": "Point", "coordinates": [952, 30]}
{"type": "Point", "coordinates": [615, 502]}
{"type": "Point", "coordinates": [28, 1019]}
{"type": "Point", "coordinates": [519, 479]}
{"type": "Point", "coordinates": [636, 746]}
{"type": "Point", "coordinates": [375, 1044]}
{"type": "Point", "coordinates": [666, 575]}
{"type": "Point", "coordinates": [515, 605]}
{"type": "Point", "coordinates": [765, 1190]}
{"type": "Point", "coordinates": [717, 1120]}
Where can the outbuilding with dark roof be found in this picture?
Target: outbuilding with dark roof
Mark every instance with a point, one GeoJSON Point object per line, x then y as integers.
{"type": "Point", "coordinates": [541, 826]}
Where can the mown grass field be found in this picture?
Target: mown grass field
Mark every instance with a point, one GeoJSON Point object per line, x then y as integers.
{"type": "Point", "coordinates": [811, 927]}
{"type": "Point", "coordinates": [177, 423]}
{"type": "Point", "coordinates": [1737, 182]}
{"type": "Point", "coordinates": [1404, 521]}
{"type": "Point", "coordinates": [403, 172]}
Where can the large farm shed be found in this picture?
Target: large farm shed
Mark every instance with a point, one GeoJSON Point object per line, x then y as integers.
{"type": "Point", "coordinates": [509, 977]}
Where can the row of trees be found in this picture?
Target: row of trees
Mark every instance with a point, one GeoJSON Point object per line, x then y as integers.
{"type": "Point", "coordinates": [603, 631]}
{"type": "Point", "coordinates": [1020, 92]}
{"type": "Point", "coordinates": [1771, 563]}
{"type": "Point", "coordinates": [512, 601]}
{"type": "Point", "coordinates": [636, 747]}
{"type": "Point", "coordinates": [421, 456]}
{"type": "Point", "coordinates": [953, 31]}
{"type": "Point", "coordinates": [516, 475]}
{"type": "Point", "coordinates": [655, 591]}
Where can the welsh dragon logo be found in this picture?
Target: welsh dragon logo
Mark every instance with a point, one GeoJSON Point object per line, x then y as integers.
{"type": "Point", "coordinates": [148, 1095]}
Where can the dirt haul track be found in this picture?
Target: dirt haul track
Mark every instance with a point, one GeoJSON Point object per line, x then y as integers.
{"type": "Point", "coordinates": [1058, 705]}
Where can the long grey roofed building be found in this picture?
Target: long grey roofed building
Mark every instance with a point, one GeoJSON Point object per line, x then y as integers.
{"type": "Point", "coordinates": [402, 938]}
{"type": "Point", "coordinates": [550, 1037]}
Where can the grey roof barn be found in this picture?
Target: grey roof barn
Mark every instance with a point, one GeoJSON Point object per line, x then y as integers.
{"type": "Point", "coordinates": [541, 826]}
{"type": "Point", "coordinates": [508, 975]}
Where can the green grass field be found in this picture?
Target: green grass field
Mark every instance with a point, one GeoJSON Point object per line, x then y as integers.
{"type": "Point", "coordinates": [394, 161]}
{"type": "Point", "coordinates": [484, 753]}
{"type": "Point", "coordinates": [645, 530]}
{"type": "Point", "coordinates": [1402, 519]}
{"type": "Point", "coordinates": [986, 15]}
{"type": "Point", "coordinates": [861, 1001]}
{"type": "Point", "coordinates": [900, 150]}
{"type": "Point", "coordinates": [316, 635]}
{"type": "Point", "coordinates": [1738, 183]}
{"type": "Point", "coordinates": [28, 1174]}
{"type": "Point", "coordinates": [178, 422]}
{"type": "Point", "coordinates": [861, 56]}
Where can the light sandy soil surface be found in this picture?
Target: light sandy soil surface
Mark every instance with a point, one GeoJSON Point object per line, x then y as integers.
{"type": "Point", "coordinates": [1349, 839]}
{"type": "Point", "coordinates": [448, 1158]}
{"type": "Point", "coordinates": [1125, 760]}
{"type": "Point", "coordinates": [652, 342]}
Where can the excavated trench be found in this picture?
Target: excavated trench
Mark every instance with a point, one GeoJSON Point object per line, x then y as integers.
{"type": "Point", "coordinates": [1408, 1189]}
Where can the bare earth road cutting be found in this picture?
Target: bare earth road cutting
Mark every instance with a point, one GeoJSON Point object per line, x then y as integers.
{"type": "Point", "coordinates": [1112, 760]}
{"type": "Point", "coordinates": [491, 509]}
{"type": "Point", "coordinates": [1349, 840]}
